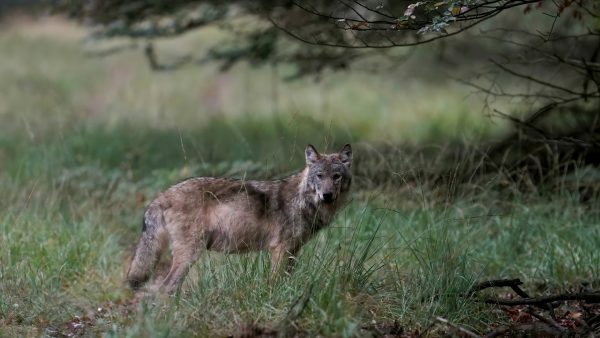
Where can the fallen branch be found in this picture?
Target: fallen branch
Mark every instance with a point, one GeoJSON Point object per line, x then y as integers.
{"type": "Point", "coordinates": [497, 283]}
{"type": "Point", "coordinates": [512, 283]}
{"type": "Point", "coordinates": [550, 321]}
{"type": "Point", "coordinates": [588, 297]}
{"type": "Point", "coordinates": [459, 328]}
{"type": "Point", "coordinates": [537, 329]}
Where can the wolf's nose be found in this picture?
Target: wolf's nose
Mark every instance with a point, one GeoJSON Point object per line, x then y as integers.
{"type": "Point", "coordinates": [327, 197]}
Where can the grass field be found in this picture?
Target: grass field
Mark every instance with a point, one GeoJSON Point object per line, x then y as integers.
{"type": "Point", "coordinates": [85, 142]}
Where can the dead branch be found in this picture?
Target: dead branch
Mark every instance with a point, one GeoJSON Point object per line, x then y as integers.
{"type": "Point", "coordinates": [535, 116]}
{"type": "Point", "coordinates": [539, 328]}
{"type": "Point", "coordinates": [497, 283]}
{"type": "Point", "coordinates": [588, 297]}
{"type": "Point", "coordinates": [520, 123]}
{"type": "Point", "coordinates": [514, 284]}
{"type": "Point", "coordinates": [457, 327]}
{"type": "Point", "coordinates": [550, 321]}
{"type": "Point", "coordinates": [535, 80]}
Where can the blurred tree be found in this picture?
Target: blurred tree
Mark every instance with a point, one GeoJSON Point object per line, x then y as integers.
{"type": "Point", "coordinates": [342, 23]}
{"type": "Point", "coordinates": [351, 28]}
{"type": "Point", "coordinates": [10, 6]}
{"type": "Point", "coordinates": [557, 68]}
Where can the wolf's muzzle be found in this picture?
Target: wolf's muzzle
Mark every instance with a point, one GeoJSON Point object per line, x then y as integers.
{"type": "Point", "coordinates": [327, 198]}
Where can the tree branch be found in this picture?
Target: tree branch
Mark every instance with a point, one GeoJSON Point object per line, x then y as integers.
{"type": "Point", "coordinates": [588, 297]}
{"type": "Point", "coordinates": [532, 79]}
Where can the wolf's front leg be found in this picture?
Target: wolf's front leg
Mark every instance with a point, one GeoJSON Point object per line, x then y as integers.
{"type": "Point", "coordinates": [184, 255]}
{"type": "Point", "coordinates": [283, 258]}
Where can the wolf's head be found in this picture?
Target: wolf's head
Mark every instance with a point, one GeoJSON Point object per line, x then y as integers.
{"type": "Point", "coordinates": [328, 175]}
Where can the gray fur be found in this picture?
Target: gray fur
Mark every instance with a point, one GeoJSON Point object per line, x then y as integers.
{"type": "Point", "coordinates": [233, 216]}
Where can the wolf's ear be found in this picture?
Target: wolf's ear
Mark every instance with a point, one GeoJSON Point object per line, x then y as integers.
{"type": "Point", "coordinates": [346, 155]}
{"type": "Point", "coordinates": [312, 155]}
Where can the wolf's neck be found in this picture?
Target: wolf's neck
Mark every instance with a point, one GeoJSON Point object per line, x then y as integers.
{"type": "Point", "coordinates": [305, 193]}
{"type": "Point", "coordinates": [316, 214]}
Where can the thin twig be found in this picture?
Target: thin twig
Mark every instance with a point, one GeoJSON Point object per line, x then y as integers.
{"type": "Point", "coordinates": [521, 122]}
{"type": "Point", "coordinates": [532, 79]}
{"type": "Point", "coordinates": [457, 327]}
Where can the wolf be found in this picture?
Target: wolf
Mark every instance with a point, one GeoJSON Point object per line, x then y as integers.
{"type": "Point", "coordinates": [237, 216]}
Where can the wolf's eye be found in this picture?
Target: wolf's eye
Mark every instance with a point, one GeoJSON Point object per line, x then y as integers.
{"type": "Point", "coordinates": [336, 176]}
{"type": "Point", "coordinates": [320, 176]}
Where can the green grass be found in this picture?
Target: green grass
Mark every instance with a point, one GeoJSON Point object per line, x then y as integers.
{"type": "Point", "coordinates": [85, 143]}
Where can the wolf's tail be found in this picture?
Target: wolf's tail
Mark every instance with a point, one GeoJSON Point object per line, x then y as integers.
{"type": "Point", "coordinates": [149, 248]}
